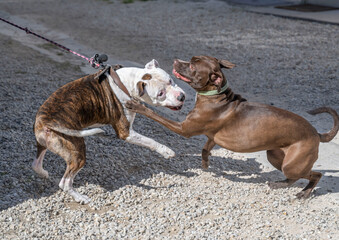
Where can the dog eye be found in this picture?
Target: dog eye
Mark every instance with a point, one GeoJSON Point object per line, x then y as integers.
{"type": "Point", "coordinates": [161, 93]}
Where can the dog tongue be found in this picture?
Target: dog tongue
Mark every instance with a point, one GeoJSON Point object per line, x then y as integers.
{"type": "Point", "coordinates": [177, 75]}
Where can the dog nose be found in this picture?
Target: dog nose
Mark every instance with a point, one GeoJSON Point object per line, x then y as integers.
{"type": "Point", "coordinates": [181, 97]}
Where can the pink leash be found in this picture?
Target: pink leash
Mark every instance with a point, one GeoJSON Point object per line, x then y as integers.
{"type": "Point", "coordinates": [96, 61]}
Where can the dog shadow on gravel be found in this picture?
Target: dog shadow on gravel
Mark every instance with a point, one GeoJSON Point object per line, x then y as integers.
{"type": "Point", "coordinates": [115, 169]}
{"type": "Point", "coordinates": [112, 164]}
{"type": "Point", "coordinates": [251, 171]}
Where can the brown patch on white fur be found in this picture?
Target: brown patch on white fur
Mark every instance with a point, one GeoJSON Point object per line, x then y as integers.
{"type": "Point", "coordinates": [141, 88]}
{"type": "Point", "coordinates": [147, 76]}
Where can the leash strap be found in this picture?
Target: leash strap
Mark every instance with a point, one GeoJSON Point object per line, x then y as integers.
{"type": "Point", "coordinates": [118, 82]}
{"type": "Point", "coordinates": [96, 61]}
{"type": "Point", "coordinates": [90, 60]}
{"type": "Point", "coordinates": [116, 79]}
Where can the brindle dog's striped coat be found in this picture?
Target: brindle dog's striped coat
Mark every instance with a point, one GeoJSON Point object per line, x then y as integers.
{"type": "Point", "coordinates": [86, 102]}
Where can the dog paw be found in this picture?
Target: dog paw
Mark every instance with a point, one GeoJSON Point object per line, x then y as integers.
{"type": "Point", "coordinates": [82, 199]}
{"type": "Point", "coordinates": [205, 164]}
{"type": "Point", "coordinates": [44, 174]}
{"type": "Point", "coordinates": [166, 152]}
{"type": "Point", "coordinates": [135, 106]}
{"type": "Point", "coordinates": [41, 172]}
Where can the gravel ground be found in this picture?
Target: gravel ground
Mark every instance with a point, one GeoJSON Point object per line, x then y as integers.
{"type": "Point", "coordinates": [136, 194]}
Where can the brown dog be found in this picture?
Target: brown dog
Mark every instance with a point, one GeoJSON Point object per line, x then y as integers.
{"type": "Point", "coordinates": [230, 121]}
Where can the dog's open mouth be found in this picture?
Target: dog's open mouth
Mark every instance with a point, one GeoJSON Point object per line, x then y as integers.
{"type": "Point", "coordinates": [179, 76]}
{"type": "Point", "coordinates": [174, 108]}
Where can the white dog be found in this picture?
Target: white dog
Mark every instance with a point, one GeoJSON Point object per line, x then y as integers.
{"type": "Point", "coordinates": [89, 103]}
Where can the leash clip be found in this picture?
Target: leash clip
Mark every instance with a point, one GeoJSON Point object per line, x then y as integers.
{"type": "Point", "coordinates": [98, 61]}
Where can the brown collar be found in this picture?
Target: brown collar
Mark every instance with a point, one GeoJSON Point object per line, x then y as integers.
{"type": "Point", "coordinates": [118, 82]}
{"type": "Point", "coordinates": [101, 76]}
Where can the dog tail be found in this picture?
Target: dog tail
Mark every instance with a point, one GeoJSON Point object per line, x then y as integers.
{"type": "Point", "coordinates": [77, 133]}
{"type": "Point", "coordinates": [326, 137]}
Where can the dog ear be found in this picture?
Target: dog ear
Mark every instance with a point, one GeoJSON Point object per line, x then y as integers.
{"type": "Point", "coordinates": [226, 64]}
{"type": "Point", "coordinates": [152, 64]}
{"type": "Point", "coordinates": [147, 76]}
{"type": "Point", "coordinates": [141, 88]}
{"type": "Point", "coordinates": [217, 81]}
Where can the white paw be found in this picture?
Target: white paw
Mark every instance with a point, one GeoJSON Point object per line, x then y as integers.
{"type": "Point", "coordinates": [166, 152]}
{"type": "Point", "coordinates": [82, 199]}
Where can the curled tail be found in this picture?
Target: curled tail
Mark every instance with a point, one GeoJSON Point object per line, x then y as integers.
{"type": "Point", "coordinates": [326, 137]}
{"type": "Point", "coordinates": [76, 133]}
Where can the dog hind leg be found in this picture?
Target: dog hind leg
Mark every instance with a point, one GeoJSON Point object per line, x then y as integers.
{"type": "Point", "coordinates": [298, 163]}
{"type": "Point", "coordinates": [66, 184]}
{"type": "Point", "coordinates": [276, 157]}
{"type": "Point", "coordinates": [73, 151]}
{"type": "Point", "coordinates": [37, 163]}
{"type": "Point", "coordinates": [75, 160]}
{"type": "Point", "coordinates": [313, 178]}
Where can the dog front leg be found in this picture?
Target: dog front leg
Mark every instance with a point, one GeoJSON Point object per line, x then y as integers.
{"type": "Point", "coordinates": [184, 128]}
{"type": "Point", "coordinates": [143, 141]}
{"type": "Point", "coordinates": [206, 152]}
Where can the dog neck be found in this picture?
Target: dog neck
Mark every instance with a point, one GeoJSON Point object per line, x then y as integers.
{"type": "Point", "coordinates": [214, 92]}
{"type": "Point", "coordinates": [230, 96]}
{"type": "Point", "coordinates": [225, 97]}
